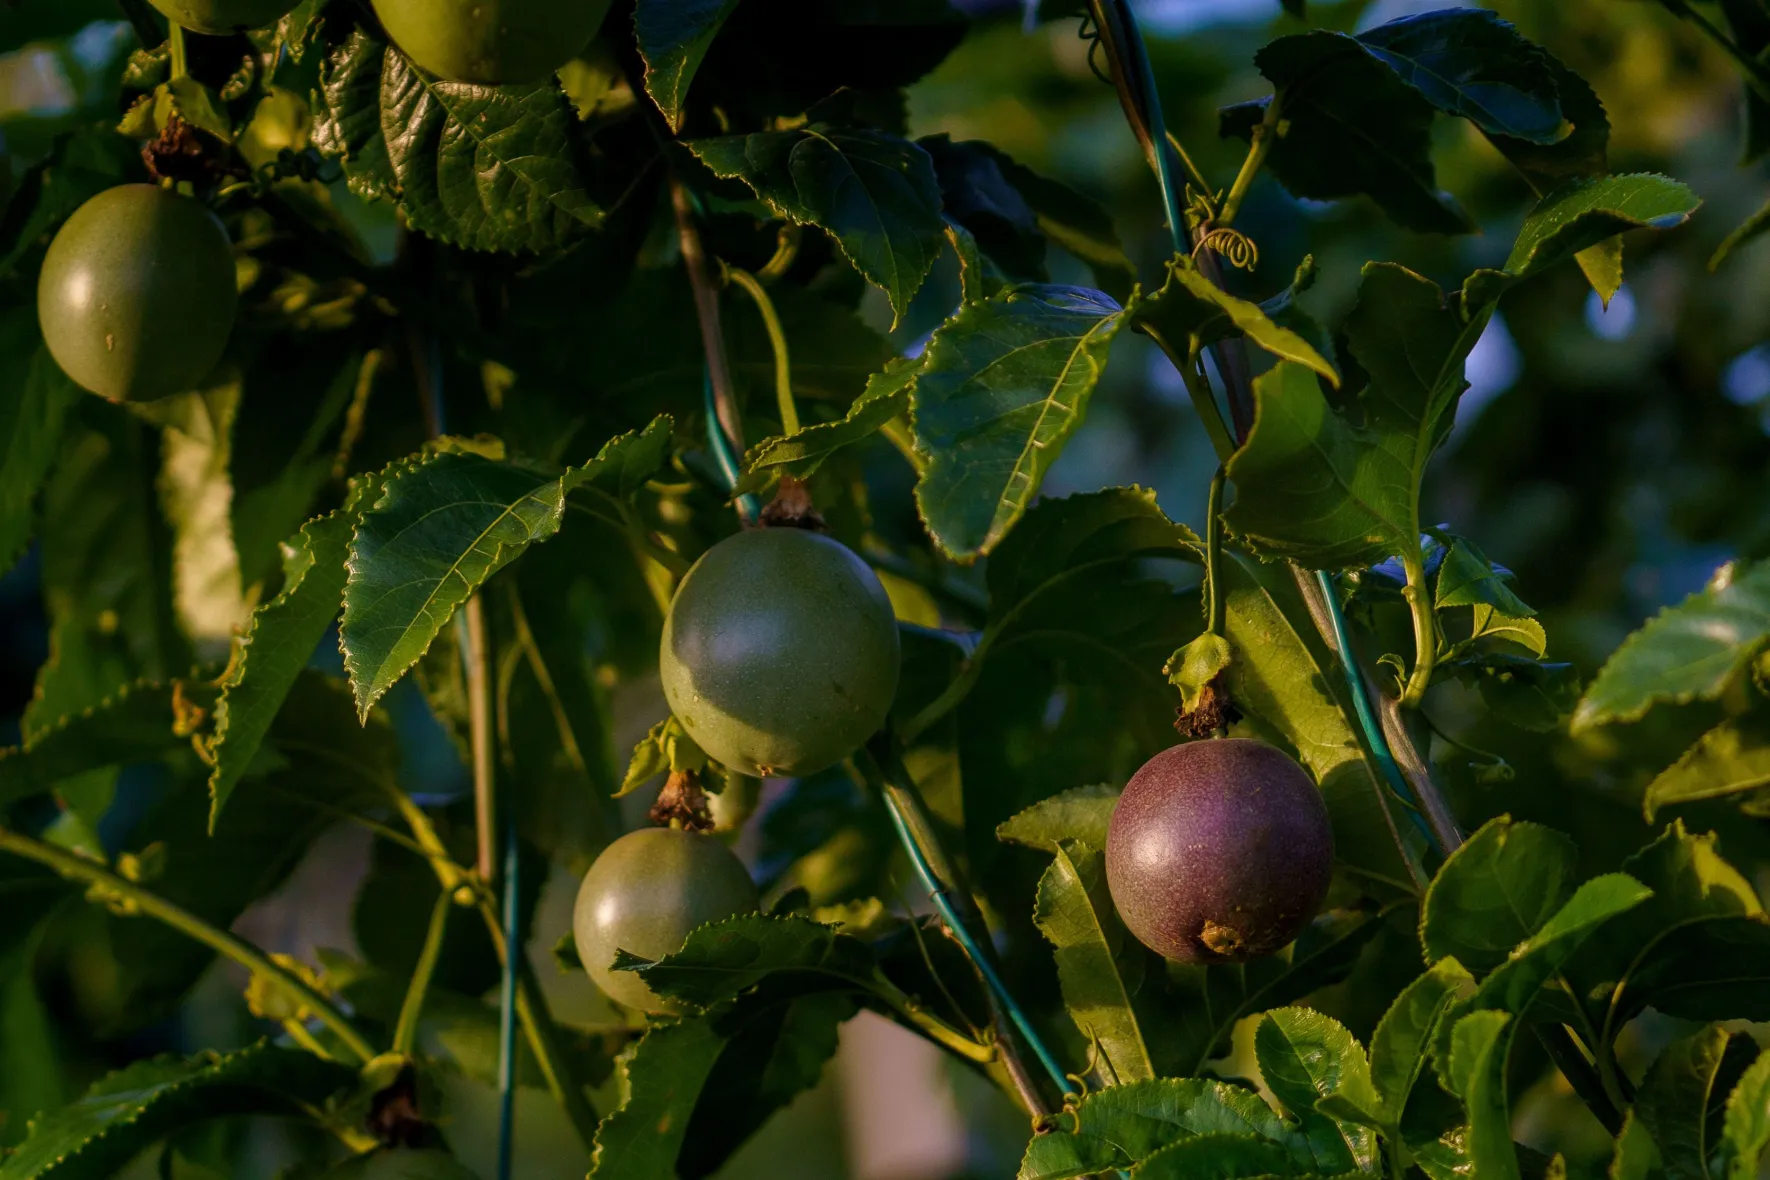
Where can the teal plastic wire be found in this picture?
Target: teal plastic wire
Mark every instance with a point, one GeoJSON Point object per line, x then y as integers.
{"type": "Point", "coordinates": [1374, 737]}
{"type": "Point", "coordinates": [507, 1008]}
{"type": "Point", "coordinates": [937, 891]}
{"type": "Point", "coordinates": [721, 448]}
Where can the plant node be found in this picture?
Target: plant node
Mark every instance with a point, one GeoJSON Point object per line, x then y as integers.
{"type": "Point", "coordinates": [682, 802]}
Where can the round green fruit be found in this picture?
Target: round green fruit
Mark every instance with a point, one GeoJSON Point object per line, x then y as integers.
{"type": "Point", "coordinates": [493, 42]}
{"type": "Point", "coordinates": [644, 894]}
{"type": "Point", "coordinates": [137, 297]}
{"type": "Point", "coordinates": [219, 17]}
{"type": "Point", "coordinates": [400, 1164]}
{"type": "Point", "coordinates": [780, 652]}
{"type": "Point", "coordinates": [1219, 851]}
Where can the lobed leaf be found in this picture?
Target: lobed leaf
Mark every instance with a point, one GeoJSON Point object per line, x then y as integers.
{"type": "Point", "coordinates": [874, 193]}
{"type": "Point", "coordinates": [1100, 967]}
{"type": "Point", "coordinates": [1731, 759]}
{"type": "Point", "coordinates": [1691, 651]}
{"type": "Point", "coordinates": [674, 37]}
{"type": "Point", "coordinates": [1497, 890]}
{"type": "Point", "coordinates": [1123, 1125]}
{"type": "Point", "coordinates": [124, 1112]}
{"type": "Point", "coordinates": [1004, 384]}
{"type": "Point", "coordinates": [1080, 814]}
{"type": "Point", "coordinates": [277, 645]}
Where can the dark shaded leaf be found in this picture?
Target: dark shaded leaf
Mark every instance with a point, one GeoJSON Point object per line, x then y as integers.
{"type": "Point", "coordinates": [673, 39]}
{"type": "Point", "coordinates": [1683, 1096]}
{"type": "Point", "coordinates": [35, 396]}
{"type": "Point", "coordinates": [1731, 759]}
{"type": "Point", "coordinates": [723, 960]}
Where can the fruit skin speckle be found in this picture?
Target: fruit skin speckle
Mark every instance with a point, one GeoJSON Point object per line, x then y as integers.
{"type": "Point", "coordinates": [1219, 851]}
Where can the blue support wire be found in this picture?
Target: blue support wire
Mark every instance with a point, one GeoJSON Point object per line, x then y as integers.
{"type": "Point", "coordinates": [507, 1007]}
{"type": "Point", "coordinates": [721, 448]}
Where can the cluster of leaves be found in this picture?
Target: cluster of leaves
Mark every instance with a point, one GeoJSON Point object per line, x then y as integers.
{"type": "Point", "coordinates": [410, 429]}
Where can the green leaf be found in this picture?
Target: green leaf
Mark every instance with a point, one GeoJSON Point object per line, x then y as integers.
{"type": "Point", "coordinates": [1730, 759]}
{"type": "Point", "coordinates": [1584, 212]}
{"type": "Point", "coordinates": [35, 396]}
{"type": "Point", "coordinates": [1003, 386]}
{"type": "Point", "coordinates": [1080, 814]}
{"type": "Point", "coordinates": [1682, 1099]}
{"type": "Point", "coordinates": [1470, 63]}
{"type": "Point", "coordinates": [1191, 311]}
{"type": "Point", "coordinates": [875, 194]}
{"type": "Point", "coordinates": [1746, 1125]}
{"type": "Point", "coordinates": [81, 165]}
{"type": "Point", "coordinates": [1494, 892]}
{"type": "Point", "coordinates": [481, 167]}
{"type": "Point", "coordinates": [665, 748]}
{"type": "Point", "coordinates": [1521, 691]}
{"type": "Point", "coordinates": [1218, 1156]}
{"type": "Point", "coordinates": [1468, 578]}
{"type": "Point", "coordinates": [1513, 986]}
{"type": "Point", "coordinates": [1527, 633]}
{"type": "Point", "coordinates": [1692, 651]}
{"type": "Point", "coordinates": [1312, 486]}
{"type": "Point", "coordinates": [440, 529]}
{"type": "Point", "coordinates": [135, 724]}
{"type": "Point", "coordinates": [126, 1111]}
{"type": "Point", "coordinates": [1635, 1156]}
{"type": "Point", "coordinates": [1401, 1044]}
{"type": "Point", "coordinates": [1352, 127]}
{"type": "Point", "coordinates": [277, 644]}
{"type": "Point", "coordinates": [722, 960]}
{"type": "Point", "coordinates": [1075, 222]}
{"type": "Point", "coordinates": [661, 1078]}
{"type": "Point", "coordinates": [886, 396]}
{"type": "Point", "coordinates": [674, 37]}
{"type": "Point", "coordinates": [1480, 1044]}
{"type": "Point", "coordinates": [1304, 1057]}
{"type": "Point", "coordinates": [1100, 967]}
{"type": "Point", "coordinates": [1123, 1125]}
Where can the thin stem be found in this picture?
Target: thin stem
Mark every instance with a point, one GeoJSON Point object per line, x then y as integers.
{"type": "Point", "coordinates": [78, 868]}
{"type": "Point", "coordinates": [405, 1033]}
{"type": "Point", "coordinates": [1214, 599]}
{"type": "Point", "coordinates": [507, 1018]}
{"type": "Point", "coordinates": [1264, 136]}
{"type": "Point", "coordinates": [477, 657]}
{"type": "Point", "coordinates": [175, 32]}
{"type": "Point", "coordinates": [1193, 174]}
{"type": "Point", "coordinates": [936, 1029]}
{"type": "Point", "coordinates": [777, 340]}
{"type": "Point", "coordinates": [1572, 1063]}
{"type": "Point", "coordinates": [915, 832]}
{"type": "Point", "coordinates": [706, 306]}
{"type": "Point", "coordinates": [1425, 631]}
{"type": "Point", "coordinates": [1204, 403]}
{"type": "Point", "coordinates": [1756, 73]}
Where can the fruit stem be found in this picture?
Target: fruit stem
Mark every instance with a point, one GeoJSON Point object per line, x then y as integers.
{"type": "Point", "coordinates": [777, 340]}
{"type": "Point", "coordinates": [78, 868]}
{"type": "Point", "coordinates": [1214, 601]}
{"type": "Point", "coordinates": [175, 33]}
{"type": "Point", "coordinates": [405, 1032]}
{"type": "Point", "coordinates": [915, 830]}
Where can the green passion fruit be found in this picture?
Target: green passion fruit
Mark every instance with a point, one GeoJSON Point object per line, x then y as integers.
{"type": "Point", "coordinates": [492, 42]}
{"type": "Point", "coordinates": [219, 17]}
{"type": "Point", "coordinates": [137, 296]}
{"type": "Point", "coordinates": [400, 1164]}
{"type": "Point", "coordinates": [1219, 851]}
{"type": "Point", "coordinates": [780, 652]}
{"type": "Point", "coordinates": [644, 894]}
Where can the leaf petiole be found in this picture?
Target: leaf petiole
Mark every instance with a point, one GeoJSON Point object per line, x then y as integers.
{"type": "Point", "coordinates": [405, 1032]}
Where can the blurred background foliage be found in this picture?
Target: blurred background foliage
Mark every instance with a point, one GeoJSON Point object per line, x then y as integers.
{"type": "Point", "coordinates": [1613, 458]}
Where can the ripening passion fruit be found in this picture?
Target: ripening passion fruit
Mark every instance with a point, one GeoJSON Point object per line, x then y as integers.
{"type": "Point", "coordinates": [644, 894]}
{"type": "Point", "coordinates": [137, 296]}
{"type": "Point", "coordinates": [220, 17]}
{"type": "Point", "coordinates": [1219, 851]}
{"type": "Point", "coordinates": [780, 652]}
{"type": "Point", "coordinates": [491, 42]}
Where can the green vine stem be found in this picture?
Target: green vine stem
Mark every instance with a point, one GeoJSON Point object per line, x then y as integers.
{"type": "Point", "coordinates": [476, 657]}
{"type": "Point", "coordinates": [405, 1032]}
{"type": "Point", "coordinates": [1419, 605]}
{"type": "Point", "coordinates": [507, 1018]}
{"type": "Point", "coordinates": [706, 306]}
{"type": "Point", "coordinates": [1215, 605]}
{"type": "Point", "coordinates": [886, 772]}
{"type": "Point", "coordinates": [77, 868]}
{"type": "Point", "coordinates": [180, 66]}
{"type": "Point", "coordinates": [1204, 404]}
{"type": "Point", "coordinates": [1264, 136]}
{"type": "Point", "coordinates": [777, 340]}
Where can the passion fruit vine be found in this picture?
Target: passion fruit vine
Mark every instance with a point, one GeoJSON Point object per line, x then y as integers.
{"type": "Point", "coordinates": [780, 652]}
{"type": "Point", "coordinates": [1219, 851]}
{"type": "Point", "coordinates": [644, 894]}
{"type": "Point", "coordinates": [137, 295]}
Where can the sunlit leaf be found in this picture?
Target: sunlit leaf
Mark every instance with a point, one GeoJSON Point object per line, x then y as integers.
{"type": "Point", "coordinates": [1080, 814]}
{"type": "Point", "coordinates": [1495, 891]}
{"type": "Point", "coordinates": [1730, 759]}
